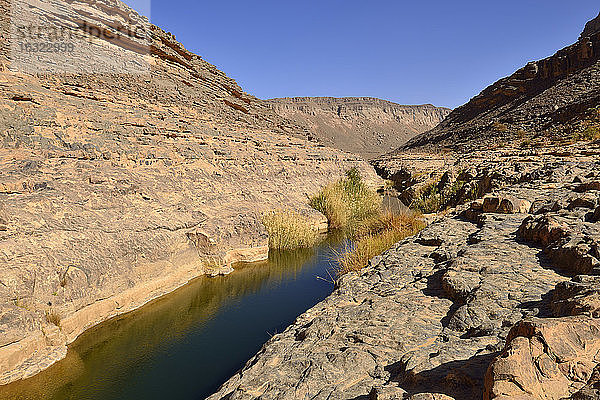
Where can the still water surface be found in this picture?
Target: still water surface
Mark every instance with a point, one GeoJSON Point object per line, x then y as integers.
{"type": "Point", "coordinates": [185, 345]}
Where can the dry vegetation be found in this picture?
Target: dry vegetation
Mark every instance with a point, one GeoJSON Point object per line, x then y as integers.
{"type": "Point", "coordinates": [289, 230]}
{"type": "Point", "coordinates": [347, 202]}
{"type": "Point", "coordinates": [352, 206]}
{"type": "Point", "coordinates": [588, 128]}
{"type": "Point", "coordinates": [500, 127]}
{"type": "Point", "coordinates": [376, 235]}
{"type": "Point", "coordinates": [53, 317]}
{"type": "Point", "coordinates": [431, 199]}
{"type": "Point", "coordinates": [591, 132]}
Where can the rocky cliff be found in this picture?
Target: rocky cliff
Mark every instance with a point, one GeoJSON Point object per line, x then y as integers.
{"type": "Point", "coordinates": [361, 125]}
{"type": "Point", "coordinates": [552, 99]}
{"type": "Point", "coordinates": [119, 185]}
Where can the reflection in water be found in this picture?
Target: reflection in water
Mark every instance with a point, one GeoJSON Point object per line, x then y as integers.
{"type": "Point", "coordinates": [184, 345]}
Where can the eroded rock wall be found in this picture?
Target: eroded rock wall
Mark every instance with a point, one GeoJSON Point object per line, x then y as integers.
{"type": "Point", "coordinates": [547, 99]}
{"type": "Point", "coordinates": [361, 125]}
{"type": "Point", "coordinates": [118, 188]}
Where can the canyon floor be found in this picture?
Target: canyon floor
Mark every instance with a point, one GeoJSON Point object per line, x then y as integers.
{"type": "Point", "coordinates": [496, 299]}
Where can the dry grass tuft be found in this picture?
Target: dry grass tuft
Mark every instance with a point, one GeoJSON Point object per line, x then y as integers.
{"type": "Point", "coordinates": [431, 199]}
{"type": "Point", "coordinates": [347, 202]}
{"type": "Point", "coordinates": [428, 199]}
{"type": "Point", "coordinates": [376, 235]}
{"type": "Point", "coordinates": [500, 127]}
{"type": "Point", "coordinates": [350, 205]}
{"type": "Point", "coordinates": [386, 221]}
{"type": "Point", "coordinates": [591, 132]}
{"type": "Point", "coordinates": [53, 317]}
{"type": "Point", "coordinates": [289, 230]}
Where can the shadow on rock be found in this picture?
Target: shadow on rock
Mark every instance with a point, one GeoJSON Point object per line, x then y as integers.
{"type": "Point", "coordinates": [458, 379]}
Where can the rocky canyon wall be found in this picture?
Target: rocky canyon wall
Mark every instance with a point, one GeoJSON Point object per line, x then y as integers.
{"type": "Point", "coordinates": [547, 98]}
{"type": "Point", "coordinates": [118, 186]}
{"type": "Point", "coordinates": [361, 125]}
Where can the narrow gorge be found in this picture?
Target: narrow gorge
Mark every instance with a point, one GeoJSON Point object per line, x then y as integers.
{"type": "Point", "coordinates": [119, 188]}
{"type": "Point", "coordinates": [137, 257]}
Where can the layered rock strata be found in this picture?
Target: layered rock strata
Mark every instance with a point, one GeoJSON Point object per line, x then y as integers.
{"type": "Point", "coordinates": [118, 188]}
{"type": "Point", "coordinates": [361, 125]}
{"type": "Point", "coordinates": [551, 99]}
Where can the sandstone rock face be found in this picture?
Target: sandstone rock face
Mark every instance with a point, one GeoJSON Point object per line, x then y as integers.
{"type": "Point", "coordinates": [551, 98]}
{"type": "Point", "coordinates": [361, 125]}
{"type": "Point", "coordinates": [545, 359]}
{"type": "Point", "coordinates": [580, 296]}
{"type": "Point", "coordinates": [463, 310]}
{"type": "Point", "coordinates": [118, 188]}
{"type": "Point", "coordinates": [504, 205]}
{"type": "Point", "coordinates": [591, 391]}
{"type": "Point", "coordinates": [553, 358]}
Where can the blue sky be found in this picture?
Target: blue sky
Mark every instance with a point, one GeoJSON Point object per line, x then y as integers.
{"type": "Point", "coordinates": [410, 52]}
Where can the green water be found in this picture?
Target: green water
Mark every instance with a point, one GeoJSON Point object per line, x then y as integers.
{"type": "Point", "coordinates": [186, 344]}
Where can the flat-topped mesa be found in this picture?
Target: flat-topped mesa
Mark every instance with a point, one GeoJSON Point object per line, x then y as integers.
{"type": "Point", "coordinates": [362, 125]}
{"type": "Point", "coordinates": [120, 187]}
{"type": "Point", "coordinates": [548, 97]}
{"type": "Point", "coordinates": [425, 114]}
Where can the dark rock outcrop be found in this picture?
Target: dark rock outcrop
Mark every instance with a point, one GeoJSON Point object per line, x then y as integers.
{"type": "Point", "coordinates": [591, 28]}
{"type": "Point", "coordinates": [551, 99]}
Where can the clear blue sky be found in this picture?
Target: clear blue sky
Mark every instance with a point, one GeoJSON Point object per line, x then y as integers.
{"type": "Point", "coordinates": [410, 52]}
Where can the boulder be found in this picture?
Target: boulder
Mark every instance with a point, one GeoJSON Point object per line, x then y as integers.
{"type": "Point", "coordinates": [474, 212]}
{"type": "Point", "coordinates": [542, 230]}
{"type": "Point", "coordinates": [544, 206]}
{"type": "Point", "coordinates": [596, 215]}
{"type": "Point", "coordinates": [587, 186]}
{"type": "Point", "coordinates": [575, 255]}
{"type": "Point", "coordinates": [579, 296]}
{"type": "Point", "coordinates": [505, 205]}
{"type": "Point", "coordinates": [590, 201]}
{"type": "Point", "coordinates": [544, 359]}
